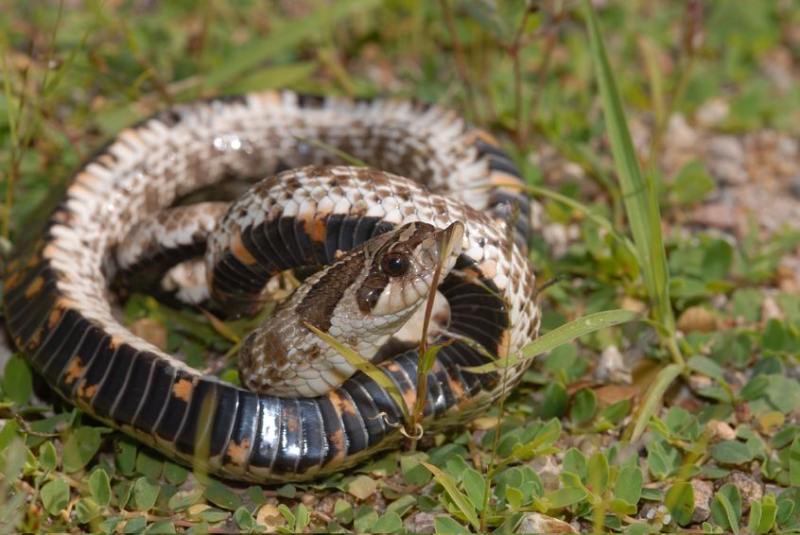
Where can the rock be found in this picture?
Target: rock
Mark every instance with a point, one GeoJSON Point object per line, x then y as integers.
{"type": "Point", "coordinates": [421, 523]}
{"type": "Point", "coordinates": [721, 430]}
{"type": "Point", "coordinates": [712, 113]}
{"type": "Point", "coordinates": [547, 470]}
{"type": "Point", "coordinates": [539, 523]}
{"type": "Point", "coordinates": [703, 492]}
{"type": "Point", "coordinates": [749, 488]}
{"type": "Point", "coordinates": [697, 319]}
{"type": "Point", "coordinates": [611, 367]}
{"type": "Point", "coordinates": [725, 156]}
{"type": "Point", "coordinates": [717, 215]}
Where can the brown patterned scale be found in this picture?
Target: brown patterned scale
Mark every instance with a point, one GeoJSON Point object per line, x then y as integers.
{"type": "Point", "coordinates": [114, 219]}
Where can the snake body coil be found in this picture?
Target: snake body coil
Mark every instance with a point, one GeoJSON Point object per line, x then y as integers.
{"type": "Point", "coordinates": [58, 310]}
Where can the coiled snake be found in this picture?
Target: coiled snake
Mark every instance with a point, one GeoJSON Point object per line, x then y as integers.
{"type": "Point", "coordinates": [56, 290]}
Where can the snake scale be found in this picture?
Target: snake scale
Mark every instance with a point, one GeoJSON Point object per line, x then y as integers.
{"type": "Point", "coordinates": [306, 213]}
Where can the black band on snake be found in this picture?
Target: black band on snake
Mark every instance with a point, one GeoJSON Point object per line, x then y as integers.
{"type": "Point", "coordinates": [377, 234]}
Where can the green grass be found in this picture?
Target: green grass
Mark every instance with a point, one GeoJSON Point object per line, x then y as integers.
{"type": "Point", "coordinates": [73, 76]}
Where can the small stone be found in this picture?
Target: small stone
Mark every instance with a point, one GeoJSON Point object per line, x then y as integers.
{"type": "Point", "coordinates": [539, 523]}
{"type": "Point", "coordinates": [679, 133]}
{"type": "Point", "coordinates": [771, 310]}
{"type": "Point", "coordinates": [270, 517]}
{"type": "Point", "coordinates": [548, 471]}
{"type": "Point", "coordinates": [725, 159]}
{"type": "Point", "coordinates": [611, 367]}
{"type": "Point", "coordinates": [421, 523]}
{"type": "Point", "coordinates": [703, 491]}
{"type": "Point", "coordinates": [557, 238]}
{"type": "Point", "coordinates": [749, 488]}
{"type": "Point", "coordinates": [722, 430]}
{"type": "Point", "coordinates": [712, 113]}
{"type": "Point", "coordinates": [716, 215]}
{"type": "Point", "coordinates": [699, 382]}
{"type": "Point", "coordinates": [697, 319]}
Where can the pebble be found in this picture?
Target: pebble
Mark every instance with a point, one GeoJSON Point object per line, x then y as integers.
{"type": "Point", "coordinates": [722, 430]}
{"type": "Point", "coordinates": [703, 491]}
{"type": "Point", "coordinates": [548, 471]}
{"type": "Point", "coordinates": [421, 523]}
{"type": "Point", "coordinates": [539, 523]}
{"type": "Point", "coordinates": [749, 488]}
{"type": "Point", "coordinates": [611, 367]}
{"type": "Point", "coordinates": [712, 113]}
{"type": "Point", "coordinates": [725, 158]}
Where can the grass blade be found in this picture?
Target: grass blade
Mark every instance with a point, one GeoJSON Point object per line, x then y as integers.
{"type": "Point", "coordinates": [459, 498]}
{"type": "Point", "coordinates": [288, 35]}
{"type": "Point", "coordinates": [638, 193]}
{"type": "Point", "coordinates": [654, 396]}
{"type": "Point", "coordinates": [562, 335]}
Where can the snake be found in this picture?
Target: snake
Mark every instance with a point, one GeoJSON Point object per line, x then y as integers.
{"type": "Point", "coordinates": [374, 232]}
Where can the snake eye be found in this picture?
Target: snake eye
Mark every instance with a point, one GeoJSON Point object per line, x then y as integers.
{"type": "Point", "coordinates": [395, 264]}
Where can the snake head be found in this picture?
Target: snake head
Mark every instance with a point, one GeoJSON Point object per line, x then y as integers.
{"type": "Point", "coordinates": [404, 263]}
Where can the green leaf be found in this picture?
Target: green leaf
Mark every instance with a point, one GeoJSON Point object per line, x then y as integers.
{"type": "Point", "coordinates": [597, 473]}
{"type": "Point", "coordinates": [680, 502]}
{"type": "Point", "coordinates": [86, 510]}
{"type": "Point", "coordinates": [402, 504]}
{"type": "Point", "coordinates": [575, 462]}
{"type": "Point", "coordinates": [55, 496]}
{"type": "Point", "coordinates": [621, 507]}
{"type": "Point", "coordinates": [149, 465]}
{"type": "Point", "coordinates": [80, 447]}
{"type": "Point", "coordinates": [459, 499]}
{"type": "Point", "coordinates": [135, 524]}
{"type": "Point", "coordinates": [161, 526]}
{"type": "Point", "coordinates": [773, 337]}
{"type": "Point", "coordinates": [707, 367]}
{"type": "Point", "coordinates": [48, 457]}
{"type": "Point", "coordinates": [794, 463]}
{"type": "Point", "coordinates": [514, 497]}
{"type": "Point", "coordinates": [183, 499]}
{"type": "Point", "coordinates": [125, 457]}
{"type": "Point", "coordinates": [755, 517]}
{"type": "Point", "coordinates": [557, 499]}
{"type": "Point", "coordinates": [365, 519]}
{"type": "Point", "coordinates": [475, 486]}
{"type": "Point", "coordinates": [302, 517]}
{"type": "Point", "coordinates": [414, 472]}
{"type": "Point", "coordinates": [388, 523]}
{"type": "Point", "coordinates": [555, 402]}
{"type": "Point", "coordinates": [768, 514]}
{"type": "Point", "coordinates": [145, 494]}
{"type": "Point", "coordinates": [726, 507]}
{"type": "Point", "coordinates": [343, 511]}
{"type": "Point", "coordinates": [222, 496]}
{"type": "Point", "coordinates": [628, 486]}
{"type": "Point", "coordinates": [175, 473]}
{"type": "Point", "coordinates": [445, 524]}
{"type": "Point", "coordinates": [692, 184]}
{"type": "Point", "coordinates": [584, 403]}
{"type": "Point", "coordinates": [99, 487]}
{"type": "Point", "coordinates": [717, 260]}
{"type": "Point", "coordinates": [731, 452]}
{"type": "Point", "coordinates": [17, 380]}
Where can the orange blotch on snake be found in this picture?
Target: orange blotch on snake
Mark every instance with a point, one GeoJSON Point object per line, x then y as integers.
{"type": "Point", "coordinates": [237, 453]}
{"type": "Point", "coordinates": [182, 389]}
